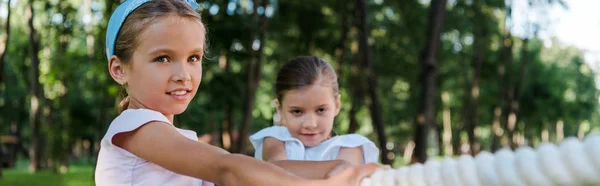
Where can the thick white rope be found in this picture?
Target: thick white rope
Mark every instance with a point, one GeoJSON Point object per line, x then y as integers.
{"type": "Point", "coordinates": [572, 163]}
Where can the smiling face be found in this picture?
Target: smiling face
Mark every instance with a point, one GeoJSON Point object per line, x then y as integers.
{"type": "Point", "coordinates": [308, 112]}
{"type": "Point", "coordinates": [165, 69]}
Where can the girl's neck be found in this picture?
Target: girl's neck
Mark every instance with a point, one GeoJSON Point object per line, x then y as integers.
{"type": "Point", "coordinates": [327, 139]}
{"type": "Point", "coordinates": [171, 117]}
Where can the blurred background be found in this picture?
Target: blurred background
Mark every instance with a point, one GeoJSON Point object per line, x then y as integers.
{"type": "Point", "coordinates": [422, 78]}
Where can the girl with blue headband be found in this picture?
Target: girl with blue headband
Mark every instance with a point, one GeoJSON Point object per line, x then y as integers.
{"type": "Point", "coordinates": [154, 50]}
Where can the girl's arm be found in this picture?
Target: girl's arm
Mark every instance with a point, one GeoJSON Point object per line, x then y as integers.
{"type": "Point", "coordinates": [352, 155]}
{"type": "Point", "coordinates": [161, 144]}
{"type": "Point", "coordinates": [274, 152]}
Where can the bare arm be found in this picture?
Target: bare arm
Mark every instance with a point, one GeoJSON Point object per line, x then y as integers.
{"type": "Point", "coordinates": [274, 152]}
{"type": "Point", "coordinates": [352, 155]}
{"type": "Point", "coordinates": [161, 144]}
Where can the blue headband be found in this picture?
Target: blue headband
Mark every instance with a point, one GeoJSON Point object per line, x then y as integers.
{"type": "Point", "coordinates": [119, 16]}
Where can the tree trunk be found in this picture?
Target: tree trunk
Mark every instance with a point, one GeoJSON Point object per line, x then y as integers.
{"type": "Point", "coordinates": [560, 131]}
{"type": "Point", "coordinates": [90, 42]}
{"type": "Point", "coordinates": [23, 114]}
{"type": "Point", "coordinates": [356, 87]}
{"type": "Point", "coordinates": [358, 94]}
{"type": "Point", "coordinates": [503, 68]}
{"type": "Point", "coordinates": [474, 103]}
{"type": "Point", "coordinates": [254, 73]}
{"type": "Point", "coordinates": [345, 28]}
{"type": "Point", "coordinates": [375, 107]}
{"type": "Point", "coordinates": [59, 147]}
{"type": "Point", "coordinates": [226, 137]}
{"type": "Point", "coordinates": [514, 104]}
{"type": "Point", "coordinates": [35, 93]}
{"type": "Point", "coordinates": [4, 51]}
{"type": "Point", "coordinates": [441, 144]}
{"type": "Point", "coordinates": [480, 43]}
{"type": "Point", "coordinates": [505, 88]}
{"type": "Point", "coordinates": [445, 133]}
{"type": "Point", "coordinates": [466, 102]}
{"type": "Point", "coordinates": [465, 108]}
{"type": "Point", "coordinates": [428, 75]}
{"type": "Point", "coordinates": [456, 141]}
{"type": "Point", "coordinates": [227, 128]}
{"type": "Point", "coordinates": [3, 57]}
{"type": "Point", "coordinates": [508, 118]}
{"type": "Point", "coordinates": [211, 128]}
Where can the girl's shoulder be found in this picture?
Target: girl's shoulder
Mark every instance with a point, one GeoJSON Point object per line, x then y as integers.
{"type": "Point", "coordinates": [278, 132]}
{"type": "Point", "coordinates": [370, 150]}
{"type": "Point", "coordinates": [130, 120]}
{"type": "Point", "coordinates": [293, 147]}
{"type": "Point", "coordinates": [347, 140]}
{"type": "Point", "coordinates": [350, 140]}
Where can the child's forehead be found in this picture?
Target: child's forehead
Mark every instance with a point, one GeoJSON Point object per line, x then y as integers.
{"type": "Point", "coordinates": [181, 32]}
{"type": "Point", "coordinates": [312, 94]}
{"type": "Point", "coordinates": [172, 20]}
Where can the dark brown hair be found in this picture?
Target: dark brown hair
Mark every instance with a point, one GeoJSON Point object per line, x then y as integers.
{"type": "Point", "coordinates": [139, 20]}
{"type": "Point", "coordinates": [304, 71]}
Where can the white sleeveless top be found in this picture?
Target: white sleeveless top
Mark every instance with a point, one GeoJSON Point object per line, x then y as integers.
{"type": "Point", "coordinates": [118, 167]}
{"type": "Point", "coordinates": [326, 150]}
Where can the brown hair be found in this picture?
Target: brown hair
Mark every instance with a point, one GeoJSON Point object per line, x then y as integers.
{"type": "Point", "coordinates": [138, 21]}
{"type": "Point", "coordinates": [304, 71]}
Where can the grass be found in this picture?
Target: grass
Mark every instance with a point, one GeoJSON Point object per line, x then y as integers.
{"type": "Point", "coordinates": [76, 175]}
{"type": "Point", "coordinates": [79, 174]}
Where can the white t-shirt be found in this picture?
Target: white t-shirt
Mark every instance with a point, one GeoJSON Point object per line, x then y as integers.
{"type": "Point", "coordinates": [118, 167]}
{"type": "Point", "coordinates": [326, 150]}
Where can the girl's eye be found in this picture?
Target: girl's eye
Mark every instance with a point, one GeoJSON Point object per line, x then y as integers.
{"type": "Point", "coordinates": [194, 58]}
{"type": "Point", "coordinates": [162, 59]}
{"type": "Point", "coordinates": [296, 112]}
{"type": "Point", "coordinates": [320, 110]}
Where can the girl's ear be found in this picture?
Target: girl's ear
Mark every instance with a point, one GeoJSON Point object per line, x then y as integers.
{"type": "Point", "coordinates": [281, 118]}
{"type": "Point", "coordinates": [337, 104]}
{"type": "Point", "coordinates": [278, 106]}
{"type": "Point", "coordinates": [117, 69]}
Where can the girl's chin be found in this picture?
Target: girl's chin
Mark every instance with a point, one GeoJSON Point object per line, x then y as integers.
{"type": "Point", "coordinates": [173, 110]}
{"type": "Point", "coordinates": [311, 142]}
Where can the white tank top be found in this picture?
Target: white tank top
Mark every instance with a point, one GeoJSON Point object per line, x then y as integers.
{"type": "Point", "coordinates": [326, 150]}
{"type": "Point", "coordinates": [118, 167]}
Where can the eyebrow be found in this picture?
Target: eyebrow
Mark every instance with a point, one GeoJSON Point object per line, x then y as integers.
{"type": "Point", "coordinates": [170, 51]}
{"type": "Point", "coordinates": [323, 105]}
{"type": "Point", "coordinates": [297, 107]}
{"type": "Point", "coordinates": [198, 50]}
{"type": "Point", "coordinates": [160, 50]}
